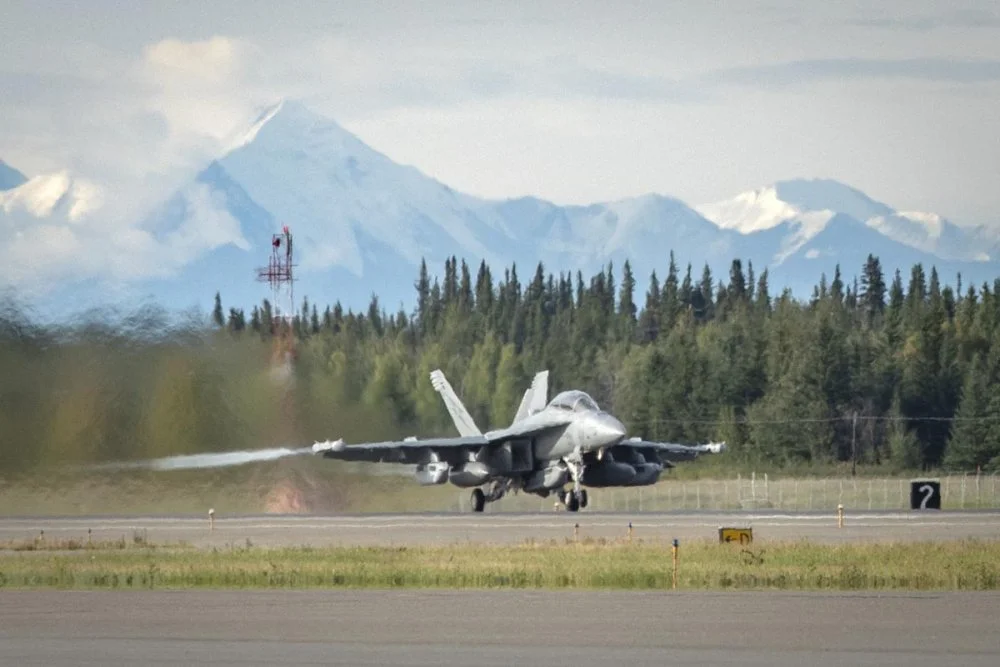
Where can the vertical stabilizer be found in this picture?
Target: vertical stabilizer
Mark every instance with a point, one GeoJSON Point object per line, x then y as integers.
{"type": "Point", "coordinates": [459, 415]}
{"type": "Point", "coordinates": [539, 392]}
{"type": "Point", "coordinates": [535, 397]}
{"type": "Point", "coordinates": [524, 409]}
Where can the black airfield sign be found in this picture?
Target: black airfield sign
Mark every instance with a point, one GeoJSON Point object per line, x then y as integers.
{"type": "Point", "coordinates": [925, 494]}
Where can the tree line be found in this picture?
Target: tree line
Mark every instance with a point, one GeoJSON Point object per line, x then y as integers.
{"type": "Point", "coordinates": [881, 371]}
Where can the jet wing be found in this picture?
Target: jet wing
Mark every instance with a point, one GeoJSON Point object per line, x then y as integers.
{"type": "Point", "coordinates": [408, 450]}
{"type": "Point", "coordinates": [452, 450]}
{"type": "Point", "coordinates": [671, 451]}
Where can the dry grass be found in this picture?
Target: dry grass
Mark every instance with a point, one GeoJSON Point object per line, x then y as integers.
{"type": "Point", "coordinates": [322, 486]}
{"type": "Point", "coordinates": [139, 540]}
{"type": "Point", "coordinates": [960, 565]}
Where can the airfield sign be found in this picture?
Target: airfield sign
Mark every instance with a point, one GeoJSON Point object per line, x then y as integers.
{"type": "Point", "coordinates": [735, 535]}
{"type": "Point", "coordinates": [925, 494]}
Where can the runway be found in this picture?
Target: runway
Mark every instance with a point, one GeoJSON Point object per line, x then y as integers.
{"type": "Point", "coordinates": [503, 528]}
{"type": "Point", "coordinates": [444, 628]}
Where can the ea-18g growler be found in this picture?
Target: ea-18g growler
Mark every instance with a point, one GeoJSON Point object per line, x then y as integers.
{"type": "Point", "coordinates": [548, 444]}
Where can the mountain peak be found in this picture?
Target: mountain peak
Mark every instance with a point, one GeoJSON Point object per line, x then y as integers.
{"type": "Point", "coordinates": [784, 201]}
{"type": "Point", "coordinates": [824, 194]}
{"type": "Point", "coordinates": [289, 123]}
{"type": "Point", "coordinates": [10, 178]}
{"type": "Point", "coordinates": [750, 211]}
{"type": "Point", "coordinates": [46, 194]}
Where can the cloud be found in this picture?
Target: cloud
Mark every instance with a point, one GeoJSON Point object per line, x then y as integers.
{"type": "Point", "coordinates": [141, 119]}
{"type": "Point", "coordinates": [56, 232]}
{"type": "Point", "coordinates": [118, 137]}
{"type": "Point", "coordinates": [207, 226]}
{"type": "Point", "coordinates": [956, 18]}
{"type": "Point", "coordinates": [807, 71]}
{"type": "Point", "coordinates": [209, 60]}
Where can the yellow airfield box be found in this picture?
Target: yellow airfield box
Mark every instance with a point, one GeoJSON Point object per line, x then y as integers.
{"type": "Point", "coordinates": [735, 535]}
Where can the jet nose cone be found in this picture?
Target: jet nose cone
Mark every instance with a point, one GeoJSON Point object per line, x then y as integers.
{"type": "Point", "coordinates": [610, 429]}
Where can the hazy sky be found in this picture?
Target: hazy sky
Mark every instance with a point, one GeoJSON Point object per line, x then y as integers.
{"type": "Point", "coordinates": [571, 101]}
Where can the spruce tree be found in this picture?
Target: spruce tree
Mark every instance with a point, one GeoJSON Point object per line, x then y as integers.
{"type": "Point", "coordinates": [649, 320]}
{"type": "Point", "coordinates": [217, 315]}
{"type": "Point", "coordinates": [626, 303]}
{"type": "Point", "coordinates": [672, 299]}
{"type": "Point", "coordinates": [969, 445]}
{"type": "Point", "coordinates": [423, 286]}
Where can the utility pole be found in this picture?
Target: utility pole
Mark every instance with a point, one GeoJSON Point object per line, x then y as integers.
{"type": "Point", "coordinates": [854, 444]}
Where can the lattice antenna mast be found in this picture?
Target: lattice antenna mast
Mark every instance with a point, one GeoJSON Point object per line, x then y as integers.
{"type": "Point", "coordinates": [278, 274]}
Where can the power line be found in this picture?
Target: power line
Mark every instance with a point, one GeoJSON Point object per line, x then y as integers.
{"type": "Point", "coordinates": [816, 420]}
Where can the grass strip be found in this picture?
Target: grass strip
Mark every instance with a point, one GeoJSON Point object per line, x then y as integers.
{"type": "Point", "coordinates": [704, 565]}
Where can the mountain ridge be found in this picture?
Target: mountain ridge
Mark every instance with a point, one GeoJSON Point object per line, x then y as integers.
{"type": "Point", "coordinates": [363, 223]}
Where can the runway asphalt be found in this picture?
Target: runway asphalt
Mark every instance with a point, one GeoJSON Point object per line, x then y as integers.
{"type": "Point", "coordinates": [444, 628]}
{"type": "Point", "coordinates": [443, 529]}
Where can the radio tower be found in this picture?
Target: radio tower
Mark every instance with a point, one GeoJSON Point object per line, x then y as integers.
{"type": "Point", "coordinates": [278, 274]}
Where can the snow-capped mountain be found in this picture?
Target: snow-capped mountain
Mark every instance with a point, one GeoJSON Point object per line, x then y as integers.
{"type": "Point", "coordinates": [52, 195]}
{"type": "Point", "coordinates": [43, 221]}
{"type": "Point", "coordinates": [362, 223]}
{"type": "Point", "coordinates": [808, 206]}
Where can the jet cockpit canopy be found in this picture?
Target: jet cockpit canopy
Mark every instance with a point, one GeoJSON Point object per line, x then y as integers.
{"type": "Point", "coordinates": [577, 401]}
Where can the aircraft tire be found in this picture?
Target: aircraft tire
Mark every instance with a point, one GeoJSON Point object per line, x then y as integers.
{"type": "Point", "coordinates": [572, 502]}
{"type": "Point", "coordinates": [583, 498]}
{"type": "Point", "coordinates": [478, 500]}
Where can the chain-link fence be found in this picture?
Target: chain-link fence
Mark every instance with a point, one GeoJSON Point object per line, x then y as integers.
{"type": "Point", "coordinates": [973, 491]}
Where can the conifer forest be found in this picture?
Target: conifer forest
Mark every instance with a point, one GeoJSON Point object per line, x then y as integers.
{"type": "Point", "coordinates": [890, 370]}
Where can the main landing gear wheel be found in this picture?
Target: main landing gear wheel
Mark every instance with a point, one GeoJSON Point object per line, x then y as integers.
{"type": "Point", "coordinates": [478, 500]}
{"type": "Point", "coordinates": [574, 500]}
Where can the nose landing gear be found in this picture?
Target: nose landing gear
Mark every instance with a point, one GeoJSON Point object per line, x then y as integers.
{"type": "Point", "coordinates": [573, 500]}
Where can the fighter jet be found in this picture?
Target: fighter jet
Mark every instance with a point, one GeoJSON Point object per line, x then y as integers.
{"type": "Point", "coordinates": [547, 444]}
{"type": "Point", "coordinates": [632, 462]}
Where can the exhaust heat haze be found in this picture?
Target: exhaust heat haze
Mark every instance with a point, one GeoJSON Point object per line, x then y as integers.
{"type": "Point", "coordinates": [214, 460]}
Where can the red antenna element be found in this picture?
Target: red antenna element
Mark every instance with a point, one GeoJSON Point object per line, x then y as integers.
{"type": "Point", "coordinates": [278, 274]}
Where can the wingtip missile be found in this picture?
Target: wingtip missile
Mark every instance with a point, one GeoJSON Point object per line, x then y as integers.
{"type": "Point", "coordinates": [328, 446]}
